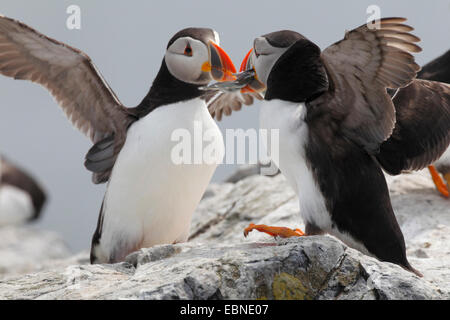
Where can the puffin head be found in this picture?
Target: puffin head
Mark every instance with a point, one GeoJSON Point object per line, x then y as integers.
{"type": "Point", "coordinates": [286, 65]}
{"type": "Point", "coordinates": [193, 56]}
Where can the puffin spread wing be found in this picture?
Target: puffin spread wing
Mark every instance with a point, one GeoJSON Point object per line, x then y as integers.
{"type": "Point", "coordinates": [422, 131]}
{"type": "Point", "coordinates": [73, 80]}
{"type": "Point", "coordinates": [220, 103]}
{"type": "Point", "coordinates": [360, 68]}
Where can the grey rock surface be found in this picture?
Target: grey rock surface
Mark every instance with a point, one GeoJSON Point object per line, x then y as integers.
{"type": "Point", "coordinates": [243, 172]}
{"type": "Point", "coordinates": [26, 249]}
{"type": "Point", "coordinates": [423, 215]}
{"type": "Point", "coordinates": [302, 268]}
{"type": "Point", "coordinates": [219, 263]}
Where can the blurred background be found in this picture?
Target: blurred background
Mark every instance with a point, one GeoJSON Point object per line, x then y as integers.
{"type": "Point", "coordinates": [127, 41]}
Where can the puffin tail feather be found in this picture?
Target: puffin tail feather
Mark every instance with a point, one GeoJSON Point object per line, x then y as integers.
{"type": "Point", "coordinates": [409, 268]}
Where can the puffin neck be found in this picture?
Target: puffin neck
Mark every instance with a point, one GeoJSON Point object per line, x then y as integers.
{"type": "Point", "coordinates": [166, 89]}
{"type": "Point", "coordinates": [299, 74]}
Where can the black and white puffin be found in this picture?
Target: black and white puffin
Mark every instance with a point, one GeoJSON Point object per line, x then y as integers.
{"type": "Point", "coordinates": [21, 196]}
{"type": "Point", "coordinates": [149, 198]}
{"type": "Point", "coordinates": [338, 128]}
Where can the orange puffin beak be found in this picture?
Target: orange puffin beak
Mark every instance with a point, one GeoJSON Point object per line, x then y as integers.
{"type": "Point", "coordinates": [244, 64]}
{"type": "Point", "coordinates": [438, 182]}
{"type": "Point", "coordinates": [255, 85]}
{"type": "Point", "coordinates": [219, 64]}
{"type": "Point", "coordinates": [244, 67]}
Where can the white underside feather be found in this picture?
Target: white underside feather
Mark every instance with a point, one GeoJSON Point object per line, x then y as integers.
{"type": "Point", "coordinates": [150, 200]}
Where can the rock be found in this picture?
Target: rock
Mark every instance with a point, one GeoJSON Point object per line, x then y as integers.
{"type": "Point", "coordinates": [302, 268]}
{"type": "Point", "coordinates": [243, 172]}
{"type": "Point", "coordinates": [258, 199]}
{"type": "Point", "coordinates": [424, 217]}
{"type": "Point", "coordinates": [26, 249]}
{"type": "Point", "coordinates": [219, 263]}
{"type": "Point", "coordinates": [246, 171]}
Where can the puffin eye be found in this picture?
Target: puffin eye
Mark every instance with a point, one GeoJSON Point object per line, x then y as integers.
{"type": "Point", "coordinates": [188, 51]}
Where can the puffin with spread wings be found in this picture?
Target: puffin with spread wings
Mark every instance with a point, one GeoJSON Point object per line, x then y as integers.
{"type": "Point", "coordinates": [339, 127]}
{"type": "Point", "coordinates": [149, 199]}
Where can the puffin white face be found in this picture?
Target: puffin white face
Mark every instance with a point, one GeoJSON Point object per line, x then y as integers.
{"type": "Point", "coordinates": [263, 58]}
{"type": "Point", "coordinates": [185, 58]}
{"type": "Point", "coordinates": [198, 61]}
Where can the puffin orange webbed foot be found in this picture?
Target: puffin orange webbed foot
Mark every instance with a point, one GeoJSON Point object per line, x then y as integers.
{"type": "Point", "coordinates": [438, 182]}
{"type": "Point", "coordinates": [282, 232]}
{"type": "Point", "coordinates": [447, 178]}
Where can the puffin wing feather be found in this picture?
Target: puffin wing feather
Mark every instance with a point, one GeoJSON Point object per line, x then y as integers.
{"type": "Point", "coordinates": [71, 78]}
{"type": "Point", "coordinates": [224, 103]}
{"type": "Point", "coordinates": [360, 68]}
{"type": "Point", "coordinates": [422, 131]}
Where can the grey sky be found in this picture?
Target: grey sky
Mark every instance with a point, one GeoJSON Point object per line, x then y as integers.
{"type": "Point", "coordinates": [126, 40]}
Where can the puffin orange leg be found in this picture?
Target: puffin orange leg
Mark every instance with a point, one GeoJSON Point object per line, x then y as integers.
{"type": "Point", "coordinates": [447, 178]}
{"type": "Point", "coordinates": [438, 182]}
{"type": "Point", "coordinates": [274, 231]}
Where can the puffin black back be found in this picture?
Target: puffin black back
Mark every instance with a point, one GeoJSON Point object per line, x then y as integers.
{"type": "Point", "coordinates": [166, 89]}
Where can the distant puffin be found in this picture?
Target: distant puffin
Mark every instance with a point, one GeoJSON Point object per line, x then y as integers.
{"type": "Point", "coordinates": [21, 196]}
{"type": "Point", "coordinates": [334, 116]}
{"type": "Point", "coordinates": [439, 70]}
{"type": "Point", "coordinates": [149, 198]}
{"type": "Point", "coordinates": [442, 165]}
